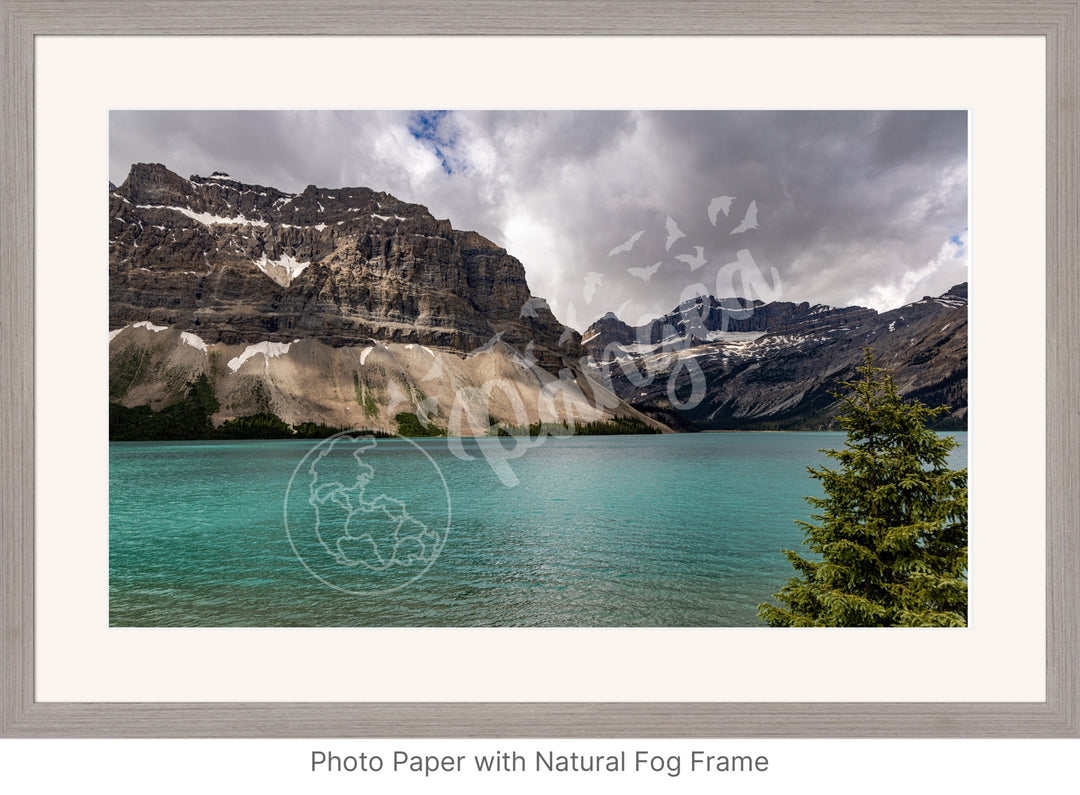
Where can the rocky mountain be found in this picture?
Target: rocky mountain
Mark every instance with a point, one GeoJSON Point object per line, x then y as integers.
{"type": "Point", "coordinates": [247, 263]}
{"type": "Point", "coordinates": [348, 307]}
{"type": "Point", "coordinates": [340, 306]}
{"type": "Point", "coordinates": [734, 364]}
{"type": "Point", "coordinates": [707, 318]}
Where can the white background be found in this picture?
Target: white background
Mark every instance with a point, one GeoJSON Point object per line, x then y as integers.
{"type": "Point", "coordinates": [999, 657]}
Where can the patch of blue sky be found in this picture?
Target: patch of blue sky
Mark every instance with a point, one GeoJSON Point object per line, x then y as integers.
{"type": "Point", "coordinates": [436, 129]}
{"type": "Point", "coordinates": [960, 241]}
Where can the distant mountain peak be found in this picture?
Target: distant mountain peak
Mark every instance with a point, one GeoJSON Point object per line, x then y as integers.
{"type": "Point", "coordinates": [703, 317]}
{"type": "Point", "coordinates": [777, 365]}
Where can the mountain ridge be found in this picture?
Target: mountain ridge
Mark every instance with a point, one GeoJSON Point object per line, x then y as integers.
{"type": "Point", "coordinates": [342, 307]}
{"type": "Point", "coordinates": [331, 303]}
{"type": "Point", "coordinates": [775, 366]}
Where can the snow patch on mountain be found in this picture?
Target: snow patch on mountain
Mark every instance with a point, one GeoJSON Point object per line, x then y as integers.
{"type": "Point", "coordinates": [282, 270]}
{"type": "Point", "coordinates": [206, 219]}
{"type": "Point", "coordinates": [148, 325]}
{"type": "Point", "coordinates": [268, 349]}
{"type": "Point", "coordinates": [194, 340]}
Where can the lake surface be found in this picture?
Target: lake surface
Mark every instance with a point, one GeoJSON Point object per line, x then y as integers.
{"type": "Point", "coordinates": [643, 531]}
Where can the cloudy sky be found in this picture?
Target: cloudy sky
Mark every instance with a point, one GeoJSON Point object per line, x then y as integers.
{"type": "Point", "coordinates": [625, 211]}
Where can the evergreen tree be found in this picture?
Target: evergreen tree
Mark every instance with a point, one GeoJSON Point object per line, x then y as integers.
{"type": "Point", "coordinates": [889, 541]}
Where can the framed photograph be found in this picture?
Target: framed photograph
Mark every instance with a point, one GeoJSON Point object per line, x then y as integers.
{"type": "Point", "coordinates": [465, 364]}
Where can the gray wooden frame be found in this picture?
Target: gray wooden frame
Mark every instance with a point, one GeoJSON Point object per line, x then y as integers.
{"type": "Point", "coordinates": [21, 716]}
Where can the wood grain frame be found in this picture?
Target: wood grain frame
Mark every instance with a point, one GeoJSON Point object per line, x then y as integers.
{"type": "Point", "coordinates": [22, 716]}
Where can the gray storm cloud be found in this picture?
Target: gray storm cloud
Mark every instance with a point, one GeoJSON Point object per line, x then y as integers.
{"type": "Point", "coordinates": [866, 207]}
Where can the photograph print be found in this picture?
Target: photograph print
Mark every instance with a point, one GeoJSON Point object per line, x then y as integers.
{"type": "Point", "coordinates": [445, 368]}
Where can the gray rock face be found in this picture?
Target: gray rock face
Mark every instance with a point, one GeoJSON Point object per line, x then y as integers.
{"type": "Point", "coordinates": [728, 364]}
{"type": "Point", "coordinates": [239, 263]}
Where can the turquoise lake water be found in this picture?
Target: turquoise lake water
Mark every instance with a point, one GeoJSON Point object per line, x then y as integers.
{"type": "Point", "coordinates": [643, 531]}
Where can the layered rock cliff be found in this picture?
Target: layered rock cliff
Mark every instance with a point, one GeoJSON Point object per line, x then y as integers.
{"type": "Point", "coordinates": [240, 263]}
{"type": "Point", "coordinates": [345, 307]}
